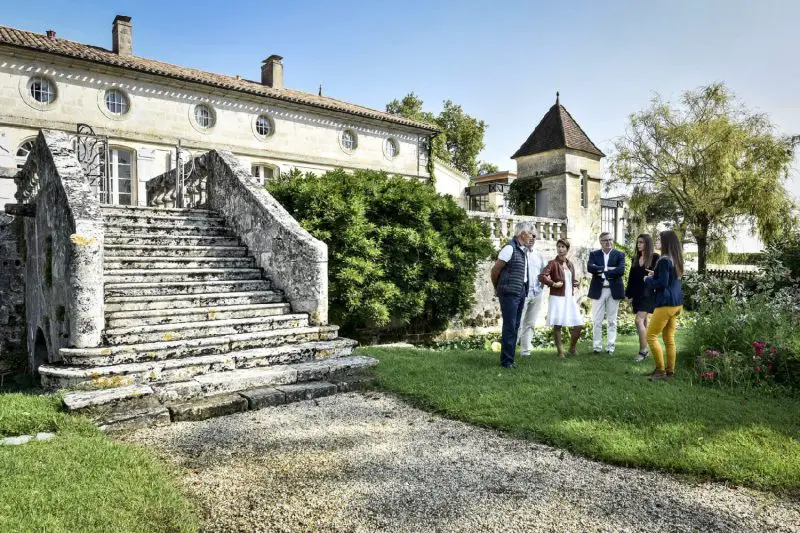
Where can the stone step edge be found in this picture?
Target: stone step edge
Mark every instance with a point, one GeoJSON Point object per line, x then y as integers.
{"type": "Point", "coordinates": [167, 236]}
{"type": "Point", "coordinates": [182, 271]}
{"type": "Point", "coordinates": [154, 328]}
{"type": "Point", "coordinates": [170, 364]}
{"type": "Point", "coordinates": [118, 315]}
{"type": "Point", "coordinates": [202, 295]}
{"type": "Point", "coordinates": [202, 341]}
{"type": "Point", "coordinates": [159, 247]}
{"type": "Point", "coordinates": [156, 284]}
{"type": "Point", "coordinates": [170, 258]}
{"type": "Point", "coordinates": [149, 209]}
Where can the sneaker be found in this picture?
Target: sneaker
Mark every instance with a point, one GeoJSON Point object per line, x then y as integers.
{"type": "Point", "coordinates": [596, 350]}
{"type": "Point", "coordinates": [512, 365]}
{"type": "Point", "coordinates": [610, 352]}
{"type": "Point", "coordinates": [670, 374]}
{"type": "Point", "coordinates": [656, 374]}
{"type": "Point", "coordinates": [525, 354]}
{"type": "Point", "coordinates": [641, 356]}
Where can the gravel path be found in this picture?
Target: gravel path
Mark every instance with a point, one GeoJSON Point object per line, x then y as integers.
{"type": "Point", "coordinates": [369, 462]}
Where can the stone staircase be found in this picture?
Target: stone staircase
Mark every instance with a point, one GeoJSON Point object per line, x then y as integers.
{"type": "Point", "coordinates": [193, 329]}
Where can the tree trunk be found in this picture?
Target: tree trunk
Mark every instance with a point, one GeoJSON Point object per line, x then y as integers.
{"type": "Point", "coordinates": [702, 247]}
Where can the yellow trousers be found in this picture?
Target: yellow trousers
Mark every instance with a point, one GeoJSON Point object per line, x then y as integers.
{"type": "Point", "coordinates": [665, 322]}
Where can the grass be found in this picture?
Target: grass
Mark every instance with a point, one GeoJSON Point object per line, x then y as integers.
{"type": "Point", "coordinates": [603, 408]}
{"type": "Point", "coordinates": [81, 480]}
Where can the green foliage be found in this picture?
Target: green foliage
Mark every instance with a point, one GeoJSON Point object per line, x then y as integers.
{"type": "Point", "coordinates": [603, 408]}
{"type": "Point", "coordinates": [704, 166]}
{"type": "Point", "coordinates": [785, 251]}
{"type": "Point", "coordinates": [521, 195]}
{"type": "Point", "coordinates": [484, 167]}
{"type": "Point", "coordinates": [461, 137]}
{"type": "Point", "coordinates": [739, 258]}
{"type": "Point", "coordinates": [401, 258]}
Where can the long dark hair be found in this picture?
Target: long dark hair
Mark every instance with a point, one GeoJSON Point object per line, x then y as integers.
{"type": "Point", "coordinates": [672, 249]}
{"type": "Point", "coordinates": [647, 253]}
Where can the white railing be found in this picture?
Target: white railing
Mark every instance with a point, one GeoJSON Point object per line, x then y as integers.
{"type": "Point", "coordinates": [501, 227]}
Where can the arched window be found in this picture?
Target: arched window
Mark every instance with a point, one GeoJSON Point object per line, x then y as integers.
{"type": "Point", "coordinates": [390, 148]}
{"type": "Point", "coordinates": [349, 140]}
{"type": "Point", "coordinates": [23, 151]}
{"type": "Point", "coordinates": [204, 116]}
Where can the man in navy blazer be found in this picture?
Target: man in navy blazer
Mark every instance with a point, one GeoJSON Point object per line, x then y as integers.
{"type": "Point", "coordinates": [607, 267]}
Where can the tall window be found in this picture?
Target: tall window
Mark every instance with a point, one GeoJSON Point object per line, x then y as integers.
{"type": "Point", "coordinates": [608, 220]}
{"type": "Point", "coordinates": [121, 177]}
{"type": "Point", "coordinates": [42, 90]}
{"type": "Point", "coordinates": [390, 148]}
{"type": "Point", "coordinates": [116, 101]}
{"type": "Point", "coordinates": [479, 203]}
{"type": "Point", "coordinates": [584, 193]}
{"type": "Point", "coordinates": [263, 173]}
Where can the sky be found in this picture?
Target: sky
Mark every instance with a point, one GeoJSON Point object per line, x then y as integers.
{"type": "Point", "coordinates": [502, 60]}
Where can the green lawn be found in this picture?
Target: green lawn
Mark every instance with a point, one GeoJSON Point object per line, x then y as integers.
{"type": "Point", "coordinates": [604, 408]}
{"type": "Point", "coordinates": [81, 480]}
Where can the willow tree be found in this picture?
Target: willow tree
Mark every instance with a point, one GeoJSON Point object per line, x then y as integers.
{"type": "Point", "coordinates": [710, 162]}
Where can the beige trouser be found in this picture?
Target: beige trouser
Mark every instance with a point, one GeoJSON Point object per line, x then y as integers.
{"type": "Point", "coordinates": [533, 304]}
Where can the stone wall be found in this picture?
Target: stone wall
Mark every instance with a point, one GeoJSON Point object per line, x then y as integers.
{"type": "Point", "coordinates": [12, 286]}
{"type": "Point", "coordinates": [295, 262]}
{"type": "Point", "coordinates": [64, 251]}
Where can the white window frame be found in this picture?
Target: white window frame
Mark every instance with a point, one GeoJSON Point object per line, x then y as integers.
{"type": "Point", "coordinates": [212, 116]}
{"type": "Point", "coordinates": [116, 97]}
{"type": "Point", "coordinates": [584, 185]}
{"type": "Point", "coordinates": [271, 125]}
{"type": "Point", "coordinates": [20, 159]}
{"type": "Point", "coordinates": [350, 145]}
{"type": "Point", "coordinates": [113, 167]}
{"type": "Point", "coordinates": [394, 151]}
{"type": "Point", "coordinates": [258, 171]}
{"type": "Point", "coordinates": [26, 91]}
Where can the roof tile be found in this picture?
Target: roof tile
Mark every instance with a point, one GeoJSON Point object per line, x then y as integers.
{"type": "Point", "coordinates": [556, 130]}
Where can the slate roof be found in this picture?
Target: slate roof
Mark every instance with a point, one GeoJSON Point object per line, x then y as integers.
{"type": "Point", "coordinates": [65, 48]}
{"type": "Point", "coordinates": [557, 129]}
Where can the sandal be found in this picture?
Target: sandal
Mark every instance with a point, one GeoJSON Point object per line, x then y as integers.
{"type": "Point", "coordinates": [641, 356]}
{"type": "Point", "coordinates": [657, 374]}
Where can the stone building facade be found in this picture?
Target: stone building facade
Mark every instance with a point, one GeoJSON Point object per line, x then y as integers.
{"type": "Point", "coordinates": [145, 107]}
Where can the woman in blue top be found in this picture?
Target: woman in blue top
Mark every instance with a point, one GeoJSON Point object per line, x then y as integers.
{"type": "Point", "coordinates": [665, 279]}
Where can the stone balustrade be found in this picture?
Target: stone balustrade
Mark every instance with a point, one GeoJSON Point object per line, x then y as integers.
{"type": "Point", "coordinates": [163, 192]}
{"type": "Point", "coordinates": [501, 227]}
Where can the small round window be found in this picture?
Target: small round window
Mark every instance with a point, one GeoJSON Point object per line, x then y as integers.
{"type": "Point", "coordinates": [390, 148]}
{"type": "Point", "coordinates": [117, 102]}
{"type": "Point", "coordinates": [349, 140]}
{"type": "Point", "coordinates": [264, 126]}
{"type": "Point", "coordinates": [42, 90]}
{"type": "Point", "coordinates": [204, 116]}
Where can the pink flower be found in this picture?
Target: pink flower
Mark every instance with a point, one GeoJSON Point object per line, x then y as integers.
{"type": "Point", "coordinates": [773, 350]}
{"type": "Point", "coordinates": [712, 353]}
{"type": "Point", "coordinates": [757, 369]}
{"type": "Point", "coordinates": [758, 347]}
{"type": "Point", "coordinates": [709, 376]}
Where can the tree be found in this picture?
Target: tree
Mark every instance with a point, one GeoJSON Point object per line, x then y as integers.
{"type": "Point", "coordinates": [522, 195]}
{"type": "Point", "coordinates": [401, 258]}
{"type": "Point", "coordinates": [484, 167]}
{"type": "Point", "coordinates": [706, 165]}
{"type": "Point", "coordinates": [461, 139]}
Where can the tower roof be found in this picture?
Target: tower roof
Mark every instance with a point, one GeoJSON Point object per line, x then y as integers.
{"type": "Point", "coordinates": [557, 129]}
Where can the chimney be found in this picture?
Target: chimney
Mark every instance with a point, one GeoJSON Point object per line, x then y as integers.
{"type": "Point", "coordinates": [51, 35]}
{"type": "Point", "coordinates": [272, 72]}
{"type": "Point", "coordinates": [122, 36]}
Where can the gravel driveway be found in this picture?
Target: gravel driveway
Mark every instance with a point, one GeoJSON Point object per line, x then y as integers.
{"type": "Point", "coordinates": [369, 462]}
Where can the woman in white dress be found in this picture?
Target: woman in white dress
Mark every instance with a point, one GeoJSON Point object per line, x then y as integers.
{"type": "Point", "coordinates": [563, 311]}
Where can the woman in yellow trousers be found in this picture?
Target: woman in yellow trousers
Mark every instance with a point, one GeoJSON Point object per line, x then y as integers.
{"type": "Point", "coordinates": [665, 280]}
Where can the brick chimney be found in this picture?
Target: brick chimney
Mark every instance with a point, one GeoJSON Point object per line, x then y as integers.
{"type": "Point", "coordinates": [272, 72]}
{"type": "Point", "coordinates": [122, 36]}
{"type": "Point", "coordinates": [51, 35]}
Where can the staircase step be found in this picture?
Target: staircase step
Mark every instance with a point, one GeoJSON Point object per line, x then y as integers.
{"type": "Point", "coordinates": [164, 241]}
{"type": "Point", "coordinates": [140, 219]}
{"type": "Point", "coordinates": [186, 287]}
{"type": "Point", "coordinates": [156, 351]}
{"type": "Point", "coordinates": [124, 319]}
{"type": "Point", "coordinates": [208, 328]}
{"type": "Point", "coordinates": [170, 375]}
{"type": "Point", "coordinates": [171, 275]}
{"type": "Point", "coordinates": [210, 299]}
{"type": "Point", "coordinates": [115, 263]}
{"type": "Point", "coordinates": [168, 229]}
{"type": "Point", "coordinates": [143, 252]}
{"type": "Point", "coordinates": [122, 210]}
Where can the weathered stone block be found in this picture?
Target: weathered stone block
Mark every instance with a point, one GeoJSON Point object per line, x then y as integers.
{"type": "Point", "coordinates": [307, 391]}
{"type": "Point", "coordinates": [131, 420]}
{"type": "Point", "coordinates": [181, 391]}
{"type": "Point", "coordinates": [261, 398]}
{"type": "Point", "coordinates": [133, 397]}
{"type": "Point", "coordinates": [210, 407]}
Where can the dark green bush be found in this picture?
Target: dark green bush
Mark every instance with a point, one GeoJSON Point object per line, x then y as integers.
{"type": "Point", "coordinates": [752, 258]}
{"type": "Point", "coordinates": [401, 258]}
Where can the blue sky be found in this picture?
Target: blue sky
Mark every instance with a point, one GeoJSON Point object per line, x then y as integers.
{"type": "Point", "coordinates": [501, 60]}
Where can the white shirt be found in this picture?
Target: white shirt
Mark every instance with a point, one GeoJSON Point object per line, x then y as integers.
{"type": "Point", "coordinates": [536, 264]}
{"type": "Point", "coordinates": [507, 252]}
{"type": "Point", "coordinates": [605, 261]}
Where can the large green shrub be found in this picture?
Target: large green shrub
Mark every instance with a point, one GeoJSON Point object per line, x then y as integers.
{"type": "Point", "coordinates": [521, 195]}
{"type": "Point", "coordinates": [401, 258]}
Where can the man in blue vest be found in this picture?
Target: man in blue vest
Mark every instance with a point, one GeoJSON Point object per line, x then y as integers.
{"type": "Point", "coordinates": [510, 279]}
{"type": "Point", "coordinates": [607, 267]}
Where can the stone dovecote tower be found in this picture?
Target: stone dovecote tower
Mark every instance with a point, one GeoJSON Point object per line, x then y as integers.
{"type": "Point", "coordinates": [561, 154]}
